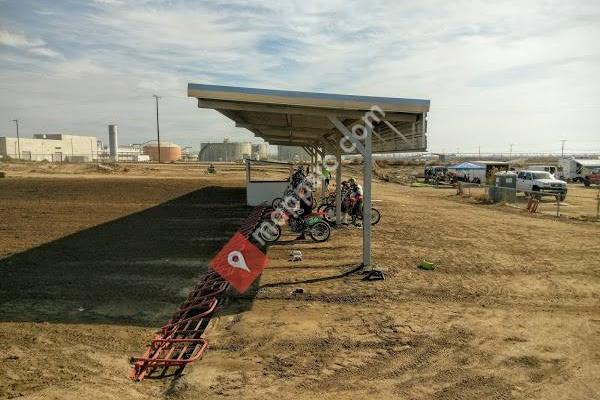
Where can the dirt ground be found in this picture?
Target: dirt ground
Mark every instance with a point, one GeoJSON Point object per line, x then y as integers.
{"type": "Point", "coordinates": [92, 262]}
{"type": "Point", "coordinates": [582, 203]}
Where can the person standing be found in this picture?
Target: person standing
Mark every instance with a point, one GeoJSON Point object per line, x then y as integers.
{"type": "Point", "coordinates": [326, 177]}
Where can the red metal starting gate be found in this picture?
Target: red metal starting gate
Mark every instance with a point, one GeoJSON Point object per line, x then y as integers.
{"type": "Point", "coordinates": [180, 342]}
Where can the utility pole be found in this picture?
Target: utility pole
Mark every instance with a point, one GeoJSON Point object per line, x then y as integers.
{"type": "Point", "coordinates": [479, 152]}
{"type": "Point", "coordinates": [157, 126]}
{"type": "Point", "coordinates": [562, 148]}
{"type": "Point", "coordinates": [510, 153]}
{"type": "Point", "coordinates": [16, 121]}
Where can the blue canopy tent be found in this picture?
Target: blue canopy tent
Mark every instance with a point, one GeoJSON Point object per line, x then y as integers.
{"type": "Point", "coordinates": [473, 172]}
{"type": "Point", "coordinates": [466, 166]}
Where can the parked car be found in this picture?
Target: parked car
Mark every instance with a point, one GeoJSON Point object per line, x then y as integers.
{"type": "Point", "coordinates": [540, 182]}
{"type": "Point", "coordinates": [593, 178]}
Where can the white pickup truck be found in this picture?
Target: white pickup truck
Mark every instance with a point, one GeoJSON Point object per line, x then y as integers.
{"type": "Point", "coordinates": [541, 182]}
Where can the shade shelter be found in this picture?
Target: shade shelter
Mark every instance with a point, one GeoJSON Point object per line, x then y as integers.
{"type": "Point", "coordinates": [466, 166]}
{"type": "Point", "coordinates": [326, 125]}
{"type": "Point", "coordinates": [469, 170]}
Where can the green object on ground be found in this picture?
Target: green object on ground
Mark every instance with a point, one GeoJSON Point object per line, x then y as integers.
{"type": "Point", "coordinates": [426, 265]}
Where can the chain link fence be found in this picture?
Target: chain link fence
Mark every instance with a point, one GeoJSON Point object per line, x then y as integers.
{"type": "Point", "coordinates": [580, 202]}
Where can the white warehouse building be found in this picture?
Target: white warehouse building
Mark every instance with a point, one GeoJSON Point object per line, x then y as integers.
{"type": "Point", "coordinates": [50, 147]}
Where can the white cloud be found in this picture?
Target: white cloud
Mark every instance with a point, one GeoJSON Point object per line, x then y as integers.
{"type": "Point", "coordinates": [497, 73]}
{"type": "Point", "coordinates": [19, 41]}
{"type": "Point", "coordinates": [73, 69]}
{"type": "Point", "coordinates": [44, 51]}
{"type": "Point", "coordinates": [33, 46]}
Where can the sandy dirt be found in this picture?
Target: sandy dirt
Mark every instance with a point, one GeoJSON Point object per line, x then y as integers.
{"type": "Point", "coordinates": [92, 264]}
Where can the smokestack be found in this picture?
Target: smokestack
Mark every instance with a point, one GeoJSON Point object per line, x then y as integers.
{"type": "Point", "coordinates": [113, 142]}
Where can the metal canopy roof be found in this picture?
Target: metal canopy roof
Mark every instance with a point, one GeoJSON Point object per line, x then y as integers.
{"type": "Point", "coordinates": [305, 119]}
{"type": "Point", "coordinates": [317, 122]}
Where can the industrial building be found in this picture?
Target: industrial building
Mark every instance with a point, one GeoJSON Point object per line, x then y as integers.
{"type": "Point", "coordinates": [232, 151]}
{"type": "Point", "coordinates": [50, 147]}
{"type": "Point", "coordinates": [131, 152]}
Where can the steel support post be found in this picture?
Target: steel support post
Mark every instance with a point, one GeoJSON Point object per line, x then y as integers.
{"type": "Point", "coordinates": [319, 170]}
{"type": "Point", "coordinates": [365, 150]}
{"type": "Point", "coordinates": [367, 172]}
{"type": "Point", "coordinates": [338, 188]}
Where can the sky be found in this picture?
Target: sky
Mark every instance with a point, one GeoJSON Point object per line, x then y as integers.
{"type": "Point", "coordinates": [502, 73]}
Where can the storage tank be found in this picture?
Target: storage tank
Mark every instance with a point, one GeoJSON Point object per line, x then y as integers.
{"type": "Point", "coordinates": [226, 151]}
{"type": "Point", "coordinates": [169, 152]}
{"type": "Point", "coordinates": [260, 151]}
{"type": "Point", "coordinates": [113, 143]}
{"type": "Point", "coordinates": [292, 153]}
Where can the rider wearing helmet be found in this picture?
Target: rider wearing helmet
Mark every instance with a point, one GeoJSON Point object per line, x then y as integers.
{"type": "Point", "coordinates": [355, 195]}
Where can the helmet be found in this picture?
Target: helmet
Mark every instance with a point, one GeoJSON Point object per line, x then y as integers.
{"type": "Point", "coordinates": [351, 180]}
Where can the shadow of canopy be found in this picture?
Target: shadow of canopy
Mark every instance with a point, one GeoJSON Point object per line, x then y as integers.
{"type": "Point", "coordinates": [134, 270]}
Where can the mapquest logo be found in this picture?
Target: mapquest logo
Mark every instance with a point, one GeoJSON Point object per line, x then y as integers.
{"type": "Point", "coordinates": [236, 260]}
{"type": "Point", "coordinates": [239, 262]}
